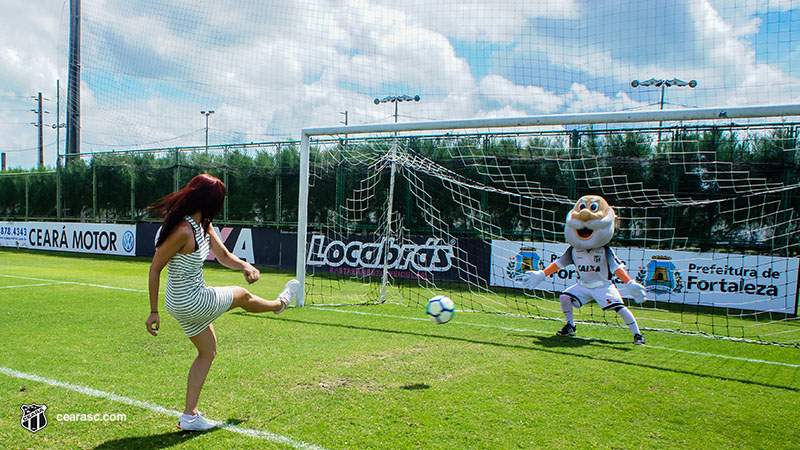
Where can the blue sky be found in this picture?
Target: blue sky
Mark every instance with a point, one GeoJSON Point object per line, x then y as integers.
{"type": "Point", "coordinates": [269, 69]}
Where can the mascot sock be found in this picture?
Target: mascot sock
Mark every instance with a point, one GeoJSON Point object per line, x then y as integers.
{"type": "Point", "coordinates": [566, 308]}
{"type": "Point", "coordinates": [626, 316]}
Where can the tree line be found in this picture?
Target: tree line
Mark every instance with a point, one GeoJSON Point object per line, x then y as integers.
{"type": "Point", "coordinates": [706, 165]}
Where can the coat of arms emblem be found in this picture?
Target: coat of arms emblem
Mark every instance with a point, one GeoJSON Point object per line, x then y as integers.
{"type": "Point", "coordinates": [33, 418]}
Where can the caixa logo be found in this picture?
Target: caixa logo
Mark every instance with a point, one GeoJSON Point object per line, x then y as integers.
{"type": "Point", "coordinates": [432, 256]}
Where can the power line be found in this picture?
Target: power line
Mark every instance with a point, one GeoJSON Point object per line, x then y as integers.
{"type": "Point", "coordinates": [19, 150]}
{"type": "Point", "coordinates": [145, 143]}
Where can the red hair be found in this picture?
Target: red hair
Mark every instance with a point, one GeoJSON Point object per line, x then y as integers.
{"type": "Point", "coordinates": [204, 193]}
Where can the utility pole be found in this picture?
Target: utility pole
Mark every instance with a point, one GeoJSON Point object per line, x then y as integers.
{"type": "Point", "coordinates": [38, 124]}
{"type": "Point", "coordinates": [41, 143]}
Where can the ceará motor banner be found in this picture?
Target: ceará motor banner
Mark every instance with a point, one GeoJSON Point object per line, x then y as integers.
{"type": "Point", "coordinates": [99, 238]}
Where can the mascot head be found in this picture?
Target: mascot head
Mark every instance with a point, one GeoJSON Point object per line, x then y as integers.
{"type": "Point", "coordinates": [590, 223]}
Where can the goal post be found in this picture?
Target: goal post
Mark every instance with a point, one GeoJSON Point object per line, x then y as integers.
{"type": "Point", "coordinates": [607, 154]}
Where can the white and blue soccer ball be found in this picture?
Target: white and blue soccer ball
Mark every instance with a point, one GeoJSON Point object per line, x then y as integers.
{"type": "Point", "coordinates": [440, 309]}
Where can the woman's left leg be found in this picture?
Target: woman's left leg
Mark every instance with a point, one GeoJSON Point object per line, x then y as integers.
{"type": "Point", "coordinates": [206, 343]}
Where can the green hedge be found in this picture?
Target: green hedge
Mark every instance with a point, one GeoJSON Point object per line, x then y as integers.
{"type": "Point", "coordinates": [263, 190]}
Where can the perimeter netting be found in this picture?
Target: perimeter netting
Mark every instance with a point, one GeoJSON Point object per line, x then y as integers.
{"type": "Point", "coordinates": [269, 69]}
{"type": "Point", "coordinates": [708, 221]}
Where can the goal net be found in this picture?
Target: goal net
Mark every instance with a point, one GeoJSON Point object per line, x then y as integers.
{"type": "Point", "coordinates": [707, 202]}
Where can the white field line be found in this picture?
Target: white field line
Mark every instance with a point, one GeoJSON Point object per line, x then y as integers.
{"type": "Point", "coordinates": [523, 330]}
{"type": "Point", "coordinates": [258, 434]}
{"type": "Point", "coordinates": [73, 282]}
{"type": "Point", "coordinates": [28, 285]}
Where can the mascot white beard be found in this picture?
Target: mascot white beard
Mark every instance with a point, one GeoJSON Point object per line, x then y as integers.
{"type": "Point", "coordinates": [590, 224]}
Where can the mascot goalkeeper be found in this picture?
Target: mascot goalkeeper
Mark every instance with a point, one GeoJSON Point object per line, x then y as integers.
{"type": "Point", "coordinates": [589, 229]}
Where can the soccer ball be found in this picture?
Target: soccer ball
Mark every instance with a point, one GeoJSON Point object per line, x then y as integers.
{"type": "Point", "coordinates": [440, 309]}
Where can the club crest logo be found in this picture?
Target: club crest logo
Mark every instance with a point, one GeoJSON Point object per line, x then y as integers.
{"type": "Point", "coordinates": [660, 276]}
{"type": "Point", "coordinates": [33, 417]}
{"type": "Point", "coordinates": [525, 260]}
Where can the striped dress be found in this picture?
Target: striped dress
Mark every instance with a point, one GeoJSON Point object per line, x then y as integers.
{"type": "Point", "coordinates": [188, 299]}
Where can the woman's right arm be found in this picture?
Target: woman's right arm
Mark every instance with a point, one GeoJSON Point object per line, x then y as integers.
{"type": "Point", "coordinates": [174, 243]}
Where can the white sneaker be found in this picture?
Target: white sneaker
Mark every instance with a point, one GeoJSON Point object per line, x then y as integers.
{"type": "Point", "coordinates": [199, 423]}
{"type": "Point", "coordinates": [288, 294]}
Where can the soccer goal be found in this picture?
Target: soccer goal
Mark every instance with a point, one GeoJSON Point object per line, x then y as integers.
{"type": "Point", "coordinates": [707, 202]}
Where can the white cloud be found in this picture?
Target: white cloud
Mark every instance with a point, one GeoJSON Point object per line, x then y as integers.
{"type": "Point", "coordinates": [496, 22]}
{"type": "Point", "coordinates": [732, 63]}
{"type": "Point", "coordinates": [533, 99]}
{"type": "Point", "coordinates": [581, 99]}
{"type": "Point", "coordinates": [27, 66]}
{"type": "Point", "coordinates": [271, 68]}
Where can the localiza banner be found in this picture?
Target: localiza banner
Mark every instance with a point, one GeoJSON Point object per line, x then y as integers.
{"type": "Point", "coordinates": [723, 280]}
{"type": "Point", "coordinates": [106, 239]}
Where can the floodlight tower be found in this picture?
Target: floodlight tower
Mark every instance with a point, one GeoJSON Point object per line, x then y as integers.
{"type": "Point", "coordinates": [396, 99]}
{"type": "Point", "coordinates": [207, 113]}
{"type": "Point", "coordinates": [663, 84]}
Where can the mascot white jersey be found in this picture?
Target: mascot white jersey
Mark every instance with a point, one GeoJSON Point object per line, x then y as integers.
{"type": "Point", "coordinates": [588, 230]}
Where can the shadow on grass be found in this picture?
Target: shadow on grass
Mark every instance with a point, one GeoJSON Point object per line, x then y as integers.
{"type": "Point", "coordinates": [163, 440]}
{"type": "Point", "coordinates": [550, 344]}
{"type": "Point", "coordinates": [415, 386]}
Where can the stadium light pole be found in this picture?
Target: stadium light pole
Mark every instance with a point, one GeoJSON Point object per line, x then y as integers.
{"type": "Point", "coordinates": [207, 113]}
{"type": "Point", "coordinates": [663, 84]}
{"type": "Point", "coordinates": [396, 99]}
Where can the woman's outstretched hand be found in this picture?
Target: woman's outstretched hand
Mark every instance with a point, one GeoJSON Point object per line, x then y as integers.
{"type": "Point", "coordinates": [251, 274]}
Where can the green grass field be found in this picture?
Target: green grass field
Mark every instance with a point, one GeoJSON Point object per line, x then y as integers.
{"type": "Point", "coordinates": [377, 377]}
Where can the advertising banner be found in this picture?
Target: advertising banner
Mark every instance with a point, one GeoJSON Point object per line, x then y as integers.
{"type": "Point", "coordinates": [257, 246]}
{"type": "Point", "coordinates": [417, 257]}
{"type": "Point", "coordinates": [98, 238]}
{"type": "Point", "coordinates": [723, 280]}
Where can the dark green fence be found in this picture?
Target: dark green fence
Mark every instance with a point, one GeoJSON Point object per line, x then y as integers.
{"type": "Point", "coordinates": [118, 186]}
{"type": "Point", "coordinates": [262, 179]}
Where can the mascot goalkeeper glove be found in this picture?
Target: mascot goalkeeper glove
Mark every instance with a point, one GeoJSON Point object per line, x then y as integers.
{"type": "Point", "coordinates": [532, 278]}
{"type": "Point", "coordinates": [633, 290]}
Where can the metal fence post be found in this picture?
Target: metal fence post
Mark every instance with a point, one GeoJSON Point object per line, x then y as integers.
{"type": "Point", "coordinates": [133, 193]}
{"type": "Point", "coordinates": [94, 190]}
{"type": "Point", "coordinates": [225, 181]}
{"type": "Point", "coordinates": [27, 196]}
{"type": "Point", "coordinates": [278, 186]}
{"type": "Point", "coordinates": [58, 187]}
{"type": "Point", "coordinates": [574, 146]}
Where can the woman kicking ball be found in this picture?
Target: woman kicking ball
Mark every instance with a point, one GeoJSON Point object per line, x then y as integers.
{"type": "Point", "coordinates": [182, 245]}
